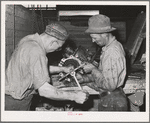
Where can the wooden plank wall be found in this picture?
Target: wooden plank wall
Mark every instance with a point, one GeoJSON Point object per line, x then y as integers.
{"type": "Point", "coordinates": [77, 34]}
{"type": "Point", "coordinates": [9, 31]}
{"type": "Point", "coordinates": [19, 23]}
{"type": "Point", "coordinates": [120, 32]}
{"type": "Point", "coordinates": [23, 23]}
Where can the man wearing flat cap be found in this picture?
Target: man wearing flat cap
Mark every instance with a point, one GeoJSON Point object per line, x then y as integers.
{"type": "Point", "coordinates": [27, 71]}
{"type": "Point", "coordinates": [110, 75]}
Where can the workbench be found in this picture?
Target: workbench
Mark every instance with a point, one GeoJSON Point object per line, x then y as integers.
{"type": "Point", "coordinates": [135, 83]}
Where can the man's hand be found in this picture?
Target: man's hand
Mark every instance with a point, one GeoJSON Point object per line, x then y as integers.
{"type": "Point", "coordinates": [50, 92]}
{"type": "Point", "coordinates": [79, 77]}
{"type": "Point", "coordinates": [58, 69]}
{"type": "Point", "coordinates": [88, 67]}
{"type": "Point", "coordinates": [68, 69]}
{"type": "Point", "coordinates": [80, 97]}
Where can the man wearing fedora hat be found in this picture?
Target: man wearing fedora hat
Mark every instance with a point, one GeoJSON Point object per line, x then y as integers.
{"type": "Point", "coordinates": [27, 71]}
{"type": "Point", "coordinates": [110, 75]}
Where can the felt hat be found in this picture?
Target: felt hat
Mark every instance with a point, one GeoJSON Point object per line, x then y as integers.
{"type": "Point", "coordinates": [99, 24]}
{"type": "Point", "coordinates": [56, 30]}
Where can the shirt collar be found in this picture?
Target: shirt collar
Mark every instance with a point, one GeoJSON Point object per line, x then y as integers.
{"type": "Point", "coordinates": [38, 39]}
{"type": "Point", "coordinates": [106, 46]}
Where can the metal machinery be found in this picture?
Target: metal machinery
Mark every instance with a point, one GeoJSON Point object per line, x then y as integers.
{"type": "Point", "coordinates": [77, 60]}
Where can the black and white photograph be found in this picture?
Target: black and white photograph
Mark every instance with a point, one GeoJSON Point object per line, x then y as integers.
{"type": "Point", "coordinates": [70, 61]}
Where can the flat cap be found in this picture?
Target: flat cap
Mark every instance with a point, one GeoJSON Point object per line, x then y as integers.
{"type": "Point", "coordinates": [57, 30]}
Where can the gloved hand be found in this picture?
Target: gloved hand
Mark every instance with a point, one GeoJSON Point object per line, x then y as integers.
{"type": "Point", "coordinates": [81, 96]}
{"type": "Point", "coordinates": [88, 67]}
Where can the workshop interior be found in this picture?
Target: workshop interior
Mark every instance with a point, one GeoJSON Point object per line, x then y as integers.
{"type": "Point", "coordinates": [130, 21]}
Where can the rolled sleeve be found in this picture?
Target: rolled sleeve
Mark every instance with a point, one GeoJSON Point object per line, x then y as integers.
{"type": "Point", "coordinates": [110, 73]}
{"type": "Point", "coordinates": [99, 79]}
{"type": "Point", "coordinates": [110, 77]}
{"type": "Point", "coordinates": [39, 71]}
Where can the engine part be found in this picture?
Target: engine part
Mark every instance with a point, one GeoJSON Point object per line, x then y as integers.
{"type": "Point", "coordinates": [77, 59]}
{"type": "Point", "coordinates": [74, 76]}
{"type": "Point", "coordinates": [83, 54]}
{"type": "Point", "coordinates": [71, 61]}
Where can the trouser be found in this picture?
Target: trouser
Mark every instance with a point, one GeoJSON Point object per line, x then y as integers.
{"type": "Point", "coordinates": [113, 101]}
{"type": "Point", "coordinates": [17, 105]}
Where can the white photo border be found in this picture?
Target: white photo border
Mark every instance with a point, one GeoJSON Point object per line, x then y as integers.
{"type": "Point", "coordinates": [41, 116]}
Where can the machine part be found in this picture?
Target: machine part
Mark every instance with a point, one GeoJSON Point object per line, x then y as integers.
{"type": "Point", "coordinates": [75, 63]}
{"type": "Point", "coordinates": [76, 60]}
{"type": "Point", "coordinates": [67, 52]}
{"type": "Point", "coordinates": [83, 54]}
{"type": "Point", "coordinates": [71, 72]}
{"type": "Point", "coordinates": [71, 61]}
{"type": "Point", "coordinates": [74, 76]}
